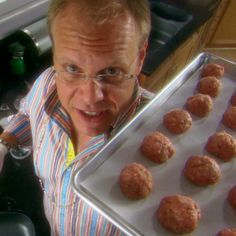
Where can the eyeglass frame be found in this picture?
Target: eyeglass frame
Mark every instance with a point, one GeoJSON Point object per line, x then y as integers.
{"type": "Point", "coordinates": [98, 78]}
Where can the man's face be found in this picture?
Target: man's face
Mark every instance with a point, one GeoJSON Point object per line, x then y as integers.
{"type": "Point", "coordinates": [113, 47]}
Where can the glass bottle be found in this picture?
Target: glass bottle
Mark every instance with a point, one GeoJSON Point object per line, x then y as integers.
{"type": "Point", "coordinates": [17, 63]}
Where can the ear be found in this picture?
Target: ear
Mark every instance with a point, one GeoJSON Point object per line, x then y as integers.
{"type": "Point", "coordinates": [142, 55]}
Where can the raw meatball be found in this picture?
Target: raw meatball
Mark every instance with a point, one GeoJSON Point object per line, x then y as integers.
{"type": "Point", "coordinates": [212, 69]}
{"type": "Point", "coordinates": [135, 181]}
{"type": "Point", "coordinates": [233, 99]}
{"type": "Point", "coordinates": [202, 170]}
{"type": "Point", "coordinates": [157, 147]}
{"type": "Point", "coordinates": [178, 214]}
{"type": "Point", "coordinates": [177, 121]}
{"type": "Point", "coordinates": [229, 118]}
{"type": "Point", "coordinates": [209, 85]}
{"type": "Point", "coordinates": [200, 104]}
{"type": "Point", "coordinates": [222, 145]}
{"type": "Point", "coordinates": [232, 197]}
{"type": "Point", "coordinates": [227, 232]}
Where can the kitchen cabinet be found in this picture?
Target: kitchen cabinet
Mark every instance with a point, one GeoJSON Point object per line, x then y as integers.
{"type": "Point", "coordinates": [219, 31]}
{"type": "Point", "coordinates": [175, 62]}
{"type": "Point", "coordinates": [222, 33]}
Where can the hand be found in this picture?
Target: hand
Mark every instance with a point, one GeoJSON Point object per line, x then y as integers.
{"type": "Point", "coordinates": [3, 152]}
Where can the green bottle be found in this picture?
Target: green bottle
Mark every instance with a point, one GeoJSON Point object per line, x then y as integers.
{"type": "Point", "coordinates": [17, 63]}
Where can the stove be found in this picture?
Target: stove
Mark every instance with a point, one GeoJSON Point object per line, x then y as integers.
{"type": "Point", "coordinates": [20, 192]}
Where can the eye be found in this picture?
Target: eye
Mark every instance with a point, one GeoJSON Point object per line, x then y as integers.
{"type": "Point", "coordinates": [72, 69]}
{"type": "Point", "coordinates": [112, 71]}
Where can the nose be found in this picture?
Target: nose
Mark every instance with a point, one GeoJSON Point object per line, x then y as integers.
{"type": "Point", "coordinates": [92, 91]}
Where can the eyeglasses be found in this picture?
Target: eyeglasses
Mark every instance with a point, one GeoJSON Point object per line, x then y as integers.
{"type": "Point", "coordinates": [77, 78]}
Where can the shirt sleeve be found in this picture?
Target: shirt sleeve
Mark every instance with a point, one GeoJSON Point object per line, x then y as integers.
{"type": "Point", "coordinates": [19, 127]}
{"type": "Point", "coordinates": [19, 124]}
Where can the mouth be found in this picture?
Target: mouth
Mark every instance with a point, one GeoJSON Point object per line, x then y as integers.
{"type": "Point", "coordinates": [92, 122]}
{"type": "Point", "coordinates": [92, 116]}
{"type": "Point", "coordinates": [92, 113]}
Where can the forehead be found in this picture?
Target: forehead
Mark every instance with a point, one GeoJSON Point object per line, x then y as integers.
{"type": "Point", "coordinates": [75, 33]}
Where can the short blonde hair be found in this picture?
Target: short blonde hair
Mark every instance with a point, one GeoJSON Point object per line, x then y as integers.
{"type": "Point", "coordinates": [100, 11]}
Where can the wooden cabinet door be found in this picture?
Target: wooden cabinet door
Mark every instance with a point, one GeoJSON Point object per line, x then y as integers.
{"type": "Point", "coordinates": [224, 34]}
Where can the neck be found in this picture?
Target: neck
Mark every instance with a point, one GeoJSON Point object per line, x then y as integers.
{"type": "Point", "coordinates": [81, 143]}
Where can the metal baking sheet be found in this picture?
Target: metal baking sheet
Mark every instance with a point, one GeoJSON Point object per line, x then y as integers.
{"type": "Point", "coordinates": [97, 181]}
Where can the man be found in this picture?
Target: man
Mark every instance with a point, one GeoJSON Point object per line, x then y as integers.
{"type": "Point", "coordinates": [76, 105]}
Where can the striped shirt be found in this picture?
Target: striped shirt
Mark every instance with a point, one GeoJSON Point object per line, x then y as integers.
{"type": "Point", "coordinates": [43, 123]}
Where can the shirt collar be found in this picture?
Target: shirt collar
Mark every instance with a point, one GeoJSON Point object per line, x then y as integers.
{"type": "Point", "coordinates": [53, 106]}
{"type": "Point", "coordinates": [129, 112]}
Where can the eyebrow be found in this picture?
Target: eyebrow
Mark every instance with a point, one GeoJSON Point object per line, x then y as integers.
{"type": "Point", "coordinates": [116, 62]}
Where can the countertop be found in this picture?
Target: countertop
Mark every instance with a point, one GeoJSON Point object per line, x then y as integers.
{"type": "Point", "coordinates": [201, 11]}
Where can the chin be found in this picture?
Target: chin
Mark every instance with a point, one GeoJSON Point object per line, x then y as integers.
{"type": "Point", "coordinates": [93, 129]}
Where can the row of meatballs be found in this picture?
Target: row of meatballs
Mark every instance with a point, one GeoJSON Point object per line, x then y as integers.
{"type": "Point", "coordinates": [178, 213]}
